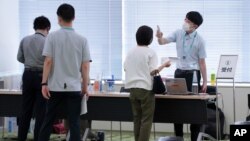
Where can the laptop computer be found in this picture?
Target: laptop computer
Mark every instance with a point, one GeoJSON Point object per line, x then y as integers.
{"type": "Point", "coordinates": [177, 86]}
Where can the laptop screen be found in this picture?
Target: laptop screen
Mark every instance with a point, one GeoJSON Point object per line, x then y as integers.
{"type": "Point", "coordinates": [176, 86]}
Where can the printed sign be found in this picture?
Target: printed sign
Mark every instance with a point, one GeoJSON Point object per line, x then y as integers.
{"type": "Point", "coordinates": [227, 66]}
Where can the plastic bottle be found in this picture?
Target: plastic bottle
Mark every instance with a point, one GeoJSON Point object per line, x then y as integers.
{"type": "Point", "coordinates": [112, 82]}
{"type": "Point", "coordinates": [98, 84]}
{"type": "Point", "coordinates": [10, 125]}
{"type": "Point", "coordinates": [212, 78]}
{"type": "Point", "coordinates": [14, 125]}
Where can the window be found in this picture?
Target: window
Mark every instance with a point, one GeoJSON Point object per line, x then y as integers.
{"type": "Point", "coordinates": [225, 28]}
{"type": "Point", "coordinates": [110, 26]}
{"type": "Point", "coordinates": [98, 20]}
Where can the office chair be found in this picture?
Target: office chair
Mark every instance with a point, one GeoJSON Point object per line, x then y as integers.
{"type": "Point", "coordinates": [84, 137]}
{"type": "Point", "coordinates": [249, 101]}
{"type": "Point", "coordinates": [248, 117]}
{"type": "Point", "coordinates": [201, 135]}
{"type": "Point", "coordinates": [123, 89]}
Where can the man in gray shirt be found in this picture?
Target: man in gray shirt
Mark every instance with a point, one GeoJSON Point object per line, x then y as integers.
{"type": "Point", "coordinates": [66, 64]}
{"type": "Point", "coordinates": [30, 54]}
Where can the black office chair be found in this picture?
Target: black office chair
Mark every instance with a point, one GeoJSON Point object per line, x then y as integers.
{"type": "Point", "coordinates": [248, 117]}
{"type": "Point", "coordinates": [123, 89]}
{"type": "Point", "coordinates": [208, 130]}
{"type": "Point", "coordinates": [211, 90]}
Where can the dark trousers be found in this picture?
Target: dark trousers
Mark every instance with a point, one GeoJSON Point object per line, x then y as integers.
{"type": "Point", "coordinates": [194, 128]}
{"type": "Point", "coordinates": [32, 100]}
{"type": "Point", "coordinates": [72, 102]}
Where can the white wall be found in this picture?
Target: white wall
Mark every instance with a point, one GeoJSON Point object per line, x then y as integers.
{"type": "Point", "coordinates": [9, 40]}
{"type": "Point", "coordinates": [226, 98]}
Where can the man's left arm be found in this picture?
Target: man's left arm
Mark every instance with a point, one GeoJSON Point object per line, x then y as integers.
{"type": "Point", "coordinates": [48, 64]}
{"type": "Point", "coordinates": [85, 66]}
{"type": "Point", "coordinates": [46, 71]}
{"type": "Point", "coordinates": [203, 69]}
{"type": "Point", "coordinates": [85, 76]}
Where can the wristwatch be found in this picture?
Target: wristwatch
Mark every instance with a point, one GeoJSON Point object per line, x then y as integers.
{"type": "Point", "coordinates": [44, 84]}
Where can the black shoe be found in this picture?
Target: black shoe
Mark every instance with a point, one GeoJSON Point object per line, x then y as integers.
{"type": "Point", "coordinates": [100, 135]}
{"type": "Point", "coordinates": [92, 136]}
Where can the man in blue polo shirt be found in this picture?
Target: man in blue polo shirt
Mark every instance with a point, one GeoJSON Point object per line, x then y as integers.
{"type": "Point", "coordinates": [66, 64]}
{"type": "Point", "coordinates": [191, 52]}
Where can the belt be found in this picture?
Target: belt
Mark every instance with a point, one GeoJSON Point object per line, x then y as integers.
{"type": "Point", "coordinates": [186, 71]}
{"type": "Point", "coordinates": [34, 69]}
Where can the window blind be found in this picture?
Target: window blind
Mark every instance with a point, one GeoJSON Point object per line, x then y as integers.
{"type": "Point", "coordinates": [110, 27]}
{"type": "Point", "coordinates": [225, 28]}
{"type": "Point", "coordinates": [97, 20]}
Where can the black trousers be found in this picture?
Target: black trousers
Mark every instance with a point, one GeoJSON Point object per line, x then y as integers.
{"type": "Point", "coordinates": [32, 100]}
{"type": "Point", "coordinates": [72, 101]}
{"type": "Point", "coordinates": [194, 128]}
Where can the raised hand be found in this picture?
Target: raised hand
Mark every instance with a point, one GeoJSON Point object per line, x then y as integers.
{"type": "Point", "coordinates": [159, 34]}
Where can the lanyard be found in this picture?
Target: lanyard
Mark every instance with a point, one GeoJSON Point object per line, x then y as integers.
{"type": "Point", "coordinates": [68, 28]}
{"type": "Point", "coordinates": [40, 34]}
{"type": "Point", "coordinates": [190, 47]}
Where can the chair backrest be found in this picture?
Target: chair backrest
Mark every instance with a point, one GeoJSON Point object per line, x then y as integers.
{"type": "Point", "coordinates": [249, 101]}
{"type": "Point", "coordinates": [124, 90]}
{"type": "Point", "coordinates": [211, 90]}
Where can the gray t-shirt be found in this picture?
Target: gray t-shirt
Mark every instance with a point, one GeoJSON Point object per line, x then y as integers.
{"type": "Point", "coordinates": [30, 51]}
{"type": "Point", "coordinates": [68, 50]}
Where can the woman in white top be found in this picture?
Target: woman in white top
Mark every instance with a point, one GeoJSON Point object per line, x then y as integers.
{"type": "Point", "coordinates": [140, 63]}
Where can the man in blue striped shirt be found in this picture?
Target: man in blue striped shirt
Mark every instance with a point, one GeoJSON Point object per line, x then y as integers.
{"type": "Point", "coordinates": [191, 52]}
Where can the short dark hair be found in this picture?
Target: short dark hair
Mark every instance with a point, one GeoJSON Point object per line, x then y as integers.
{"type": "Point", "coordinates": [144, 35]}
{"type": "Point", "coordinates": [66, 12]}
{"type": "Point", "coordinates": [41, 22]}
{"type": "Point", "coordinates": [195, 17]}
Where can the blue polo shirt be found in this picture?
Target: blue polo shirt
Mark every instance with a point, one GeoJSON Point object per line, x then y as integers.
{"type": "Point", "coordinates": [190, 48]}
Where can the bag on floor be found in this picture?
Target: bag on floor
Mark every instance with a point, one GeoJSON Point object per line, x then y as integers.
{"type": "Point", "coordinates": [210, 127]}
{"type": "Point", "coordinates": [58, 127]}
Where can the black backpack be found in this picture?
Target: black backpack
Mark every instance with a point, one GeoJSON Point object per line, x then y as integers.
{"type": "Point", "coordinates": [210, 127]}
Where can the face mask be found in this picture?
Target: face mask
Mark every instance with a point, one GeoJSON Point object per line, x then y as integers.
{"type": "Point", "coordinates": [186, 27]}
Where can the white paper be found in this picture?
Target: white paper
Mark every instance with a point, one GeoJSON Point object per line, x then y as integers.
{"type": "Point", "coordinates": [84, 105]}
{"type": "Point", "coordinates": [164, 60]}
{"type": "Point", "coordinates": [173, 59]}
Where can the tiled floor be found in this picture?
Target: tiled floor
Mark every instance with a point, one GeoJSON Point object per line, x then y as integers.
{"type": "Point", "coordinates": [126, 136]}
